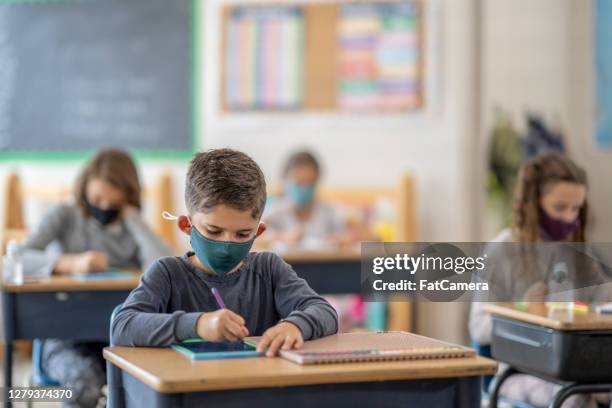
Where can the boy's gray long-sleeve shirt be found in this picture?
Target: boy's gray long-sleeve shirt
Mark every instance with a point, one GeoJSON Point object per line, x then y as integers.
{"type": "Point", "coordinates": [128, 244]}
{"type": "Point", "coordinates": [173, 293]}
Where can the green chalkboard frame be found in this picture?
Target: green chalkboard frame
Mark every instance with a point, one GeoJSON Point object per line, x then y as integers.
{"type": "Point", "coordinates": [59, 156]}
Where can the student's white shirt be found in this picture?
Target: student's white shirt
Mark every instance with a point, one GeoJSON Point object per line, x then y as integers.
{"type": "Point", "coordinates": [505, 274]}
{"type": "Point", "coordinates": [325, 220]}
{"type": "Point", "coordinates": [480, 323]}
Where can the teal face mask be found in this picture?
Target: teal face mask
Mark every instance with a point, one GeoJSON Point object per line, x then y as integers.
{"type": "Point", "coordinates": [219, 256]}
{"type": "Point", "coordinates": [302, 196]}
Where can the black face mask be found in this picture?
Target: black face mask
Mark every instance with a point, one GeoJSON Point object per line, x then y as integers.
{"type": "Point", "coordinates": [104, 217]}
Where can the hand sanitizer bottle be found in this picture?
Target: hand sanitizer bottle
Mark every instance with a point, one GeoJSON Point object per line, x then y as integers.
{"type": "Point", "coordinates": [12, 266]}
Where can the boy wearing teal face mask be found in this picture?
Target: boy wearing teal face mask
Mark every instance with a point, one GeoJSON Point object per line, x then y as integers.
{"type": "Point", "coordinates": [225, 194]}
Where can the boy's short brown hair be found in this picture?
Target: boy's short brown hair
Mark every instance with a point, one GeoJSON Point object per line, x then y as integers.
{"type": "Point", "coordinates": [225, 177]}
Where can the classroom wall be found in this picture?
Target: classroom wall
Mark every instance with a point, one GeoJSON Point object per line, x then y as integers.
{"type": "Point", "coordinates": [435, 147]}
{"type": "Point", "coordinates": [441, 148]}
{"type": "Point", "coordinates": [539, 56]}
{"type": "Point", "coordinates": [372, 149]}
{"type": "Point", "coordinates": [550, 55]}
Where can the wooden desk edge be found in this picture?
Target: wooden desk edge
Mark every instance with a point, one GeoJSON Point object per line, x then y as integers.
{"type": "Point", "coordinates": [480, 366]}
{"type": "Point", "coordinates": [320, 257]}
{"type": "Point", "coordinates": [69, 284]}
{"type": "Point", "coordinates": [151, 380]}
{"type": "Point", "coordinates": [551, 323]}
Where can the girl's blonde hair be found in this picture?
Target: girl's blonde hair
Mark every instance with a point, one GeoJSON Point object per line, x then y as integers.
{"type": "Point", "coordinates": [115, 167]}
{"type": "Point", "coordinates": [536, 176]}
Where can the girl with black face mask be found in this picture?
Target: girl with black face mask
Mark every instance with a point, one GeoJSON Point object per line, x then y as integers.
{"type": "Point", "coordinates": [101, 230]}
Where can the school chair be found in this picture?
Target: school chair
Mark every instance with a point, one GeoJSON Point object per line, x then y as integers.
{"type": "Point", "coordinates": [360, 203]}
{"type": "Point", "coordinates": [156, 197]}
{"type": "Point", "coordinates": [39, 377]}
{"type": "Point", "coordinates": [113, 373]}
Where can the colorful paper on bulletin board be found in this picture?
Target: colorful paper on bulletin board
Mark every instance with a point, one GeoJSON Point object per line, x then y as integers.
{"type": "Point", "coordinates": [379, 56]}
{"type": "Point", "coordinates": [264, 58]}
{"type": "Point", "coordinates": [603, 63]}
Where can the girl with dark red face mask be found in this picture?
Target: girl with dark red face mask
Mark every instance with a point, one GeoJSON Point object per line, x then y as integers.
{"type": "Point", "coordinates": [550, 205]}
{"type": "Point", "coordinates": [551, 200]}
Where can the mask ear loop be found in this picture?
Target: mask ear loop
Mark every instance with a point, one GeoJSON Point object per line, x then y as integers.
{"type": "Point", "coordinates": [171, 217]}
{"type": "Point", "coordinates": [167, 216]}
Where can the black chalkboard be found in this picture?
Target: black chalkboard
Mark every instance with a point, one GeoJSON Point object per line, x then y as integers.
{"type": "Point", "coordinates": [76, 75]}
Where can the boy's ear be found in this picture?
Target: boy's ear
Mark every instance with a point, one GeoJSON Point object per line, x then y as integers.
{"type": "Point", "coordinates": [261, 229]}
{"type": "Point", "coordinates": [184, 224]}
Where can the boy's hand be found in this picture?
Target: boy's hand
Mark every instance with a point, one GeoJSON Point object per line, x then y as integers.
{"type": "Point", "coordinates": [221, 325]}
{"type": "Point", "coordinates": [285, 336]}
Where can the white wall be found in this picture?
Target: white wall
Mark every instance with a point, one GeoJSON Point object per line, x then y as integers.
{"type": "Point", "coordinates": [539, 56]}
{"type": "Point", "coordinates": [378, 148]}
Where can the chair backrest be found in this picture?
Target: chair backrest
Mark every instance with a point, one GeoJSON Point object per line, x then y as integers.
{"type": "Point", "coordinates": [39, 376]}
{"type": "Point", "coordinates": [157, 197]}
{"type": "Point", "coordinates": [361, 204]}
{"type": "Point", "coordinates": [115, 397]}
{"type": "Point", "coordinates": [112, 317]}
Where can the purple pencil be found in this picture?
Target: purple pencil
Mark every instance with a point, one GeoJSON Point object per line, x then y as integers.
{"type": "Point", "coordinates": [217, 296]}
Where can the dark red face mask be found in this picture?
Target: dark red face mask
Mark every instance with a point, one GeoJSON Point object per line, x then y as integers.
{"type": "Point", "coordinates": [557, 230]}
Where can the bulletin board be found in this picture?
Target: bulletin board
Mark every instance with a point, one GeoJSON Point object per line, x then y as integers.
{"type": "Point", "coordinates": [342, 56]}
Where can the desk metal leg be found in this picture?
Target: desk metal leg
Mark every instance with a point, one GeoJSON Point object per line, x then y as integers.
{"type": "Point", "coordinates": [8, 365]}
{"type": "Point", "coordinates": [114, 386]}
{"type": "Point", "coordinates": [8, 325]}
{"type": "Point", "coordinates": [8, 371]}
{"type": "Point", "coordinates": [570, 389]}
{"type": "Point", "coordinates": [497, 384]}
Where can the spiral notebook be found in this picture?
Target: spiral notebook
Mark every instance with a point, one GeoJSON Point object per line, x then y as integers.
{"type": "Point", "coordinates": [372, 346]}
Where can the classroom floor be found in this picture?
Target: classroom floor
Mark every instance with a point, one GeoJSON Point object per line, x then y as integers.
{"type": "Point", "coordinates": [22, 368]}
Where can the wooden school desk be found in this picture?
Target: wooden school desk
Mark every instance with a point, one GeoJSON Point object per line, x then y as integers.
{"type": "Point", "coordinates": [339, 273]}
{"type": "Point", "coordinates": [158, 377]}
{"type": "Point", "coordinates": [60, 307]}
{"type": "Point", "coordinates": [569, 347]}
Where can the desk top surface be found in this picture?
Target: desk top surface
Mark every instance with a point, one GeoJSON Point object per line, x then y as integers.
{"type": "Point", "coordinates": [71, 283]}
{"type": "Point", "coordinates": [555, 318]}
{"type": "Point", "coordinates": [166, 370]}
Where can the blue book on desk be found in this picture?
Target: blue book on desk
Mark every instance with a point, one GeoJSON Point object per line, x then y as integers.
{"type": "Point", "coordinates": [199, 349]}
{"type": "Point", "coordinates": [102, 276]}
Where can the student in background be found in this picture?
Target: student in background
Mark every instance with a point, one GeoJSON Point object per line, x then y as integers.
{"type": "Point", "coordinates": [550, 204]}
{"type": "Point", "coordinates": [298, 219]}
{"type": "Point", "coordinates": [102, 229]}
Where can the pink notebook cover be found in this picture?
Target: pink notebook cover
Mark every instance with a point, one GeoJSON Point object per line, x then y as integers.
{"type": "Point", "coordinates": [372, 346]}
